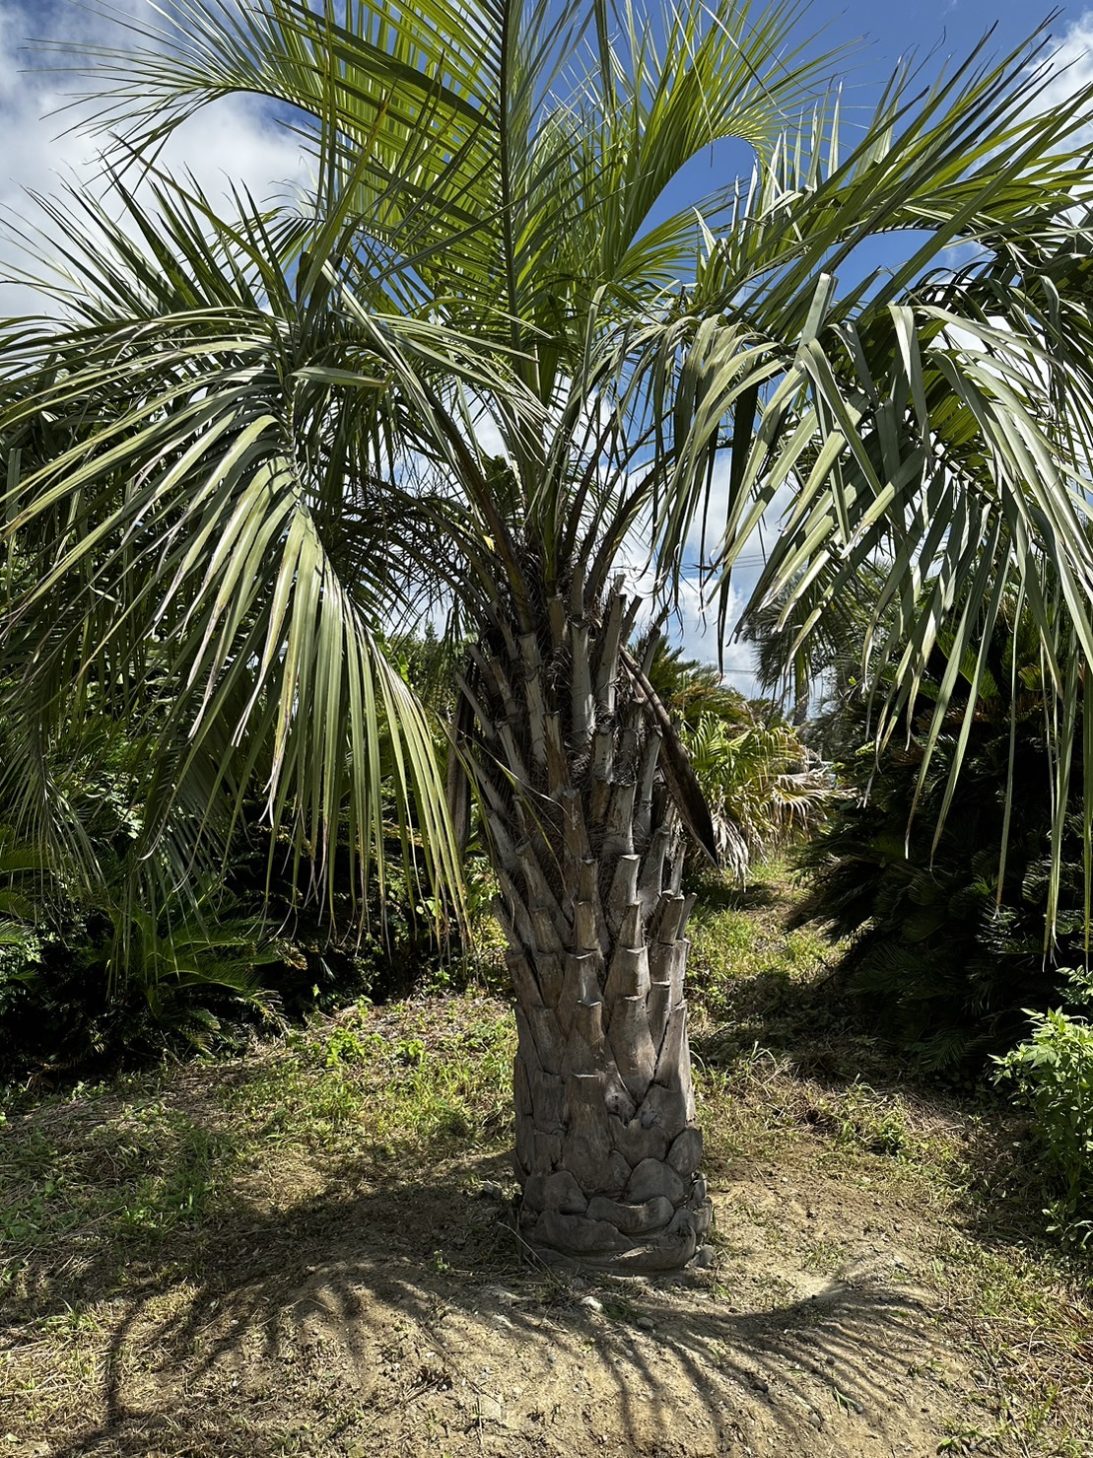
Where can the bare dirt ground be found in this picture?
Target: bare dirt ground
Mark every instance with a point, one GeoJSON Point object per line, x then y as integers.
{"type": "Point", "coordinates": [403, 1321]}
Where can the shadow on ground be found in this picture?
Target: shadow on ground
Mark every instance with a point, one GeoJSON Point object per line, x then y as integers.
{"type": "Point", "coordinates": [407, 1319]}
{"type": "Point", "coordinates": [842, 1078]}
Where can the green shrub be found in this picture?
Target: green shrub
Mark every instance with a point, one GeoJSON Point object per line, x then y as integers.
{"type": "Point", "coordinates": [1053, 1073]}
{"type": "Point", "coordinates": [98, 981]}
{"type": "Point", "coordinates": [761, 783]}
{"type": "Point", "coordinates": [115, 944]}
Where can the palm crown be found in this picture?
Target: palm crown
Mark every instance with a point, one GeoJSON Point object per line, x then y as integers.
{"type": "Point", "coordinates": [246, 443]}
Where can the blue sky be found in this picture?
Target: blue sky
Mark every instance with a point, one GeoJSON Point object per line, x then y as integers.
{"type": "Point", "coordinates": [874, 38]}
{"type": "Point", "coordinates": [888, 31]}
{"type": "Point", "coordinates": [235, 138]}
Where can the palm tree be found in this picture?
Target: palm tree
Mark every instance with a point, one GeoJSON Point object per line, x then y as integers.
{"type": "Point", "coordinates": [826, 662]}
{"type": "Point", "coordinates": [482, 364]}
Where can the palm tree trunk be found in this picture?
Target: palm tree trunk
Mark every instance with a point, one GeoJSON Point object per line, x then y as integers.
{"type": "Point", "coordinates": [568, 756]}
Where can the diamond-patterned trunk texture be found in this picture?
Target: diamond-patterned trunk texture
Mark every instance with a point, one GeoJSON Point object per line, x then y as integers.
{"type": "Point", "coordinates": [574, 758]}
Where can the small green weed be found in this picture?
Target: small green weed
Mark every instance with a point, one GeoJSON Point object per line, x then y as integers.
{"type": "Point", "coordinates": [346, 1045]}
{"type": "Point", "coordinates": [73, 1322]}
{"type": "Point", "coordinates": [867, 1120]}
{"type": "Point", "coordinates": [824, 1256]}
{"type": "Point", "coordinates": [184, 1189]}
{"type": "Point", "coordinates": [410, 1051]}
{"type": "Point", "coordinates": [1053, 1074]}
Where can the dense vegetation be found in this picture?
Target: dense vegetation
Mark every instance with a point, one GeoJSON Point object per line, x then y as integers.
{"type": "Point", "coordinates": [91, 979]}
{"type": "Point", "coordinates": [952, 925]}
{"type": "Point", "coordinates": [961, 927]}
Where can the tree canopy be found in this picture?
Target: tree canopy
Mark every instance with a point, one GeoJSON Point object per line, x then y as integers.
{"type": "Point", "coordinates": [241, 441]}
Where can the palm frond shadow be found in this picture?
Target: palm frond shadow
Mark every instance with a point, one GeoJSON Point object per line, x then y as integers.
{"type": "Point", "coordinates": [273, 1288]}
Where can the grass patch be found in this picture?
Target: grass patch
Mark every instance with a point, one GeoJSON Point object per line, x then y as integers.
{"type": "Point", "coordinates": [110, 1172]}
{"type": "Point", "coordinates": [131, 1178]}
{"type": "Point", "coordinates": [383, 1086]}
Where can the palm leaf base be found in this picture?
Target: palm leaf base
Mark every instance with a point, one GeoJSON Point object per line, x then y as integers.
{"type": "Point", "coordinates": [581, 777]}
{"type": "Point", "coordinates": [607, 1151]}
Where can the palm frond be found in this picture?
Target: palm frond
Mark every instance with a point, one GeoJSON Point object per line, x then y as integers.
{"type": "Point", "coordinates": [203, 462]}
{"type": "Point", "coordinates": [254, 440]}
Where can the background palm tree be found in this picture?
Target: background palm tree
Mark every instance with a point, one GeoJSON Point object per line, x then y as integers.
{"type": "Point", "coordinates": [241, 445]}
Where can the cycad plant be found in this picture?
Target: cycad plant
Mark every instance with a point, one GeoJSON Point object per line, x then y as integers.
{"type": "Point", "coordinates": [946, 934]}
{"type": "Point", "coordinates": [491, 355]}
{"type": "Point", "coordinates": [762, 784]}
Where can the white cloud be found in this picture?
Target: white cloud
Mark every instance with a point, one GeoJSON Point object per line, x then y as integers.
{"type": "Point", "coordinates": [692, 623]}
{"type": "Point", "coordinates": [695, 629]}
{"type": "Point", "coordinates": [232, 140]}
{"type": "Point", "coordinates": [1071, 70]}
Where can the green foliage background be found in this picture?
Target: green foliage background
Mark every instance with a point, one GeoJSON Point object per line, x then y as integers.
{"type": "Point", "coordinates": [950, 928]}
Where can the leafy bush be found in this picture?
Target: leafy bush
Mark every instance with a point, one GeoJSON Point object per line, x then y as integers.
{"type": "Point", "coordinates": [93, 974]}
{"type": "Point", "coordinates": [115, 943]}
{"type": "Point", "coordinates": [761, 783]}
{"type": "Point", "coordinates": [1053, 1073]}
{"type": "Point", "coordinates": [100, 980]}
